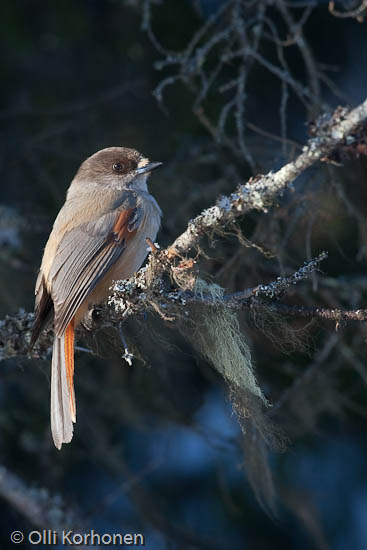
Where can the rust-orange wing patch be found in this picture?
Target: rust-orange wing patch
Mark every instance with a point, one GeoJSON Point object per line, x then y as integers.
{"type": "Point", "coordinates": [85, 255]}
{"type": "Point", "coordinates": [124, 228]}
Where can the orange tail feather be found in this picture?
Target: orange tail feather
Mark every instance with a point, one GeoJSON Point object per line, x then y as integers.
{"type": "Point", "coordinates": [69, 362]}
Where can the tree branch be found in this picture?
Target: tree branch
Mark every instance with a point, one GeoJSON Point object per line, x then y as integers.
{"type": "Point", "coordinates": [153, 283]}
{"type": "Point", "coordinates": [43, 510]}
{"type": "Point", "coordinates": [260, 192]}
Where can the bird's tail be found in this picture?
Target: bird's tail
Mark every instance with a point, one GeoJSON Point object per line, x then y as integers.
{"type": "Point", "coordinates": [63, 410]}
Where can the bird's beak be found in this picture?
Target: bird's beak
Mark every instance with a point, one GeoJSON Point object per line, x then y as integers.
{"type": "Point", "coordinates": [149, 167]}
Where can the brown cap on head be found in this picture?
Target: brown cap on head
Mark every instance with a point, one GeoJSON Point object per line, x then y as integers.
{"type": "Point", "coordinates": [118, 160]}
{"type": "Point", "coordinates": [99, 236]}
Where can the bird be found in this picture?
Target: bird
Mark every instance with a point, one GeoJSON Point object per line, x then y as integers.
{"type": "Point", "coordinates": [99, 236]}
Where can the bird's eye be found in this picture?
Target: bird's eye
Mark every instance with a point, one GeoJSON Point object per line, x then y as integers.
{"type": "Point", "coordinates": [134, 165]}
{"type": "Point", "coordinates": [118, 167]}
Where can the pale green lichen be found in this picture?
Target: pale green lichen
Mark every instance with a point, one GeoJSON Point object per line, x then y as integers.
{"type": "Point", "coordinates": [220, 340]}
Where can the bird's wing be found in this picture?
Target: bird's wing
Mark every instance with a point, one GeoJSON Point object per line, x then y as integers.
{"type": "Point", "coordinates": [43, 309]}
{"type": "Point", "coordinates": [84, 256]}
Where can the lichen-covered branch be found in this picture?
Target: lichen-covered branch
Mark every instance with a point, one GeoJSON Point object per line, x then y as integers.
{"type": "Point", "coordinates": [260, 192]}
{"type": "Point", "coordinates": [168, 278]}
{"type": "Point", "coordinates": [15, 336]}
{"type": "Point", "coordinates": [327, 314]}
{"type": "Point", "coordinates": [135, 295]}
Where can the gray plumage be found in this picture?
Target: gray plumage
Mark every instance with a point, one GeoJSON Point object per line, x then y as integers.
{"type": "Point", "coordinates": [61, 418]}
{"type": "Point", "coordinates": [98, 236]}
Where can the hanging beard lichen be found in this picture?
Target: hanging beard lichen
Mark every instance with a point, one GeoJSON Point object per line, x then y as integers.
{"type": "Point", "coordinates": [215, 332]}
{"type": "Point", "coordinates": [219, 339]}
